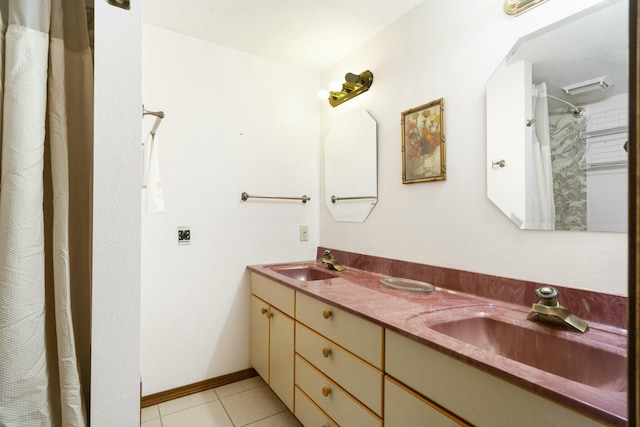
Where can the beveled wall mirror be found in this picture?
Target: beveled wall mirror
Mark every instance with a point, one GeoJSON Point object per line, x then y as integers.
{"type": "Point", "coordinates": [350, 166]}
{"type": "Point", "coordinates": [557, 117]}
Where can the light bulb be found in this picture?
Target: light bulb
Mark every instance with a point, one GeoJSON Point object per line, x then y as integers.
{"type": "Point", "coordinates": [323, 94]}
{"type": "Point", "coordinates": [335, 87]}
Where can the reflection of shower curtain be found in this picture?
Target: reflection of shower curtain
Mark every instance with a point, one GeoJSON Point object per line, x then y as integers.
{"type": "Point", "coordinates": [543, 209]}
{"type": "Point", "coordinates": [569, 180]}
{"type": "Point", "coordinates": [45, 211]}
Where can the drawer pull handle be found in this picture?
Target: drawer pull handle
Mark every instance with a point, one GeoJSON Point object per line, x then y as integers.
{"type": "Point", "coordinates": [326, 391]}
{"type": "Point", "coordinates": [326, 352]}
{"type": "Point", "coordinates": [263, 310]}
{"type": "Point", "coordinates": [326, 314]}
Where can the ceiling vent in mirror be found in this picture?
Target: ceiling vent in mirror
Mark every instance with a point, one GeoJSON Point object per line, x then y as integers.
{"type": "Point", "coordinates": [516, 7]}
{"type": "Point", "coordinates": [600, 83]}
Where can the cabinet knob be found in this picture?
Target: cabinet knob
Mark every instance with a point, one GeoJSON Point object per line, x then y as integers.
{"type": "Point", "coordinates": [264, 310]}
{"type": "Point", "coordinates": [326, 314]}
{"type": "Point", "coordinates": [326, 352]}
{"type": "Point", "coordinates": [326, 391]}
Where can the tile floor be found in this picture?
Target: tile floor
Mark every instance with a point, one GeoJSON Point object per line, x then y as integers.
{"type": "Point", "coordinates": [248, 403]}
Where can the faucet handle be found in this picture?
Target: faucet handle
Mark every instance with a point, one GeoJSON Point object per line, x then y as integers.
{"type": "Point", "coordinates": [548, 295]}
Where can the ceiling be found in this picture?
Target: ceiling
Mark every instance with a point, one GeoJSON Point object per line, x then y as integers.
{"type": "Point", "coordinates": [313, 34]}
{"type": "Point", "coordinates": [587, 45]}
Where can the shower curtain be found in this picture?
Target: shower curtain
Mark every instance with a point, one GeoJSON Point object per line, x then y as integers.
{"type": "Point", "coordinates": [542, 203]}
{"type": "Point", "coordinates": [45, 212]}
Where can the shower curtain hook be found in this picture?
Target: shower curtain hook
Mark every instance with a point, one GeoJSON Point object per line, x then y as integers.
{"type": "Point", "coordinates": [122, 4]}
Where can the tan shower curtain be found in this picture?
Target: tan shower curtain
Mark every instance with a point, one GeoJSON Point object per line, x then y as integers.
{"type": "Point", "coordinates": [45, 212]}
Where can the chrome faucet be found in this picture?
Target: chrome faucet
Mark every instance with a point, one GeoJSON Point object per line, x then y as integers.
{"type": "Point", "coordinates": [331, 261]}
{"type": "Point", "coordinates": [549, 311]}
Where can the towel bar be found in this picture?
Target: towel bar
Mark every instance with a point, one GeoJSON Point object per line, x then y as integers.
{"type": "Point", "coordinates": [336, 198]}
{"type": "Point", "coordinates": [246, 196]}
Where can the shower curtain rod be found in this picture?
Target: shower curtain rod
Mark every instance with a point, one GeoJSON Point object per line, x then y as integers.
{"type": "Point", "coordinates": [577, 111]}
{"type": "Point", "coordinates": [159, 116]}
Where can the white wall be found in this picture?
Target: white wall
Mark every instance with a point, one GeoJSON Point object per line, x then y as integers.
{"type": "Point", "coordinates": [450, 48]}
{"type": "Point", "coordinates": [234, 122]}
{"type": "Point", "coordinates": [115, 341]}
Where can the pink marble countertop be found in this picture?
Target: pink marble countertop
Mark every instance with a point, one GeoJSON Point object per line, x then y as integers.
{"type": "Point", "coordinates": [415, 315]}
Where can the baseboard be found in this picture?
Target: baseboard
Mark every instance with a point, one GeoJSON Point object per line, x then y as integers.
{"type": "Point", "coordinates": [185, 390]}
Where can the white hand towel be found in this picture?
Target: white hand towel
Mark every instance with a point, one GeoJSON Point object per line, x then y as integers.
{"type": "Point", "coordinates": [151, 183]}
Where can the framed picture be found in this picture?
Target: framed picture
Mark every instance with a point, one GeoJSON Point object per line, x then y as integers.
{"type": "Point", "coordinates": [423, 143]}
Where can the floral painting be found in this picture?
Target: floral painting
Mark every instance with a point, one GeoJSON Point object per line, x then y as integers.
{"type": "Point", "coordinates": [423, 143]}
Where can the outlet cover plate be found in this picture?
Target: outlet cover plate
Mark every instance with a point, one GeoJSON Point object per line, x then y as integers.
{"type": "Point", "coordinates": [304, 233]}
{"type": "Point", "coordinates": [184, 235]}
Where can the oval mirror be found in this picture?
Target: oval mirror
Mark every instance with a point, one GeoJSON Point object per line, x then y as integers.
{"type": "Point", "coordinates": [557, 116]}
{"type": "Point", "coordinates": [350, 166]}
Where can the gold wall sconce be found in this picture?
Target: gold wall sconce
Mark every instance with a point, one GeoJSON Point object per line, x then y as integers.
{"type": "Point", "coordinates": [354, 85]}
{"type": "Point", "coordinates": [517, 7]}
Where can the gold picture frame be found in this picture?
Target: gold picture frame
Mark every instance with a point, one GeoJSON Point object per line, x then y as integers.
{"type": "Point", "coordinates": [423, 143]}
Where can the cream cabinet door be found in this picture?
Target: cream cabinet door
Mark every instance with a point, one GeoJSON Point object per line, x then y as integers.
{"type": "Point", "coordinates": [281, 330]}
{"type": "Point", "coordinates": [260, 337]}
{"type": "Point", "coordinates": [272, 335]}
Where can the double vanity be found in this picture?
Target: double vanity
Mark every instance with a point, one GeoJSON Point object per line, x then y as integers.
{"type": "Point", "coordinates": [341, 349]}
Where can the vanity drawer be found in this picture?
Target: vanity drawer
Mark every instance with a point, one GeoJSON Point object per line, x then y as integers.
{"type": "Point", "coordinates": [462, 389]}
{"type": "Point", "coordinates": [361, 337]}
{"type": "Point", "coordinates": [279, 296]}
{"type": "Point", "coordinates": [403, 407]}
{"type": "Point", "coordinates": [357, 377]}
{"type": "Point", "coordinates": [309, 414]}
{"type": "Point", "coordinates": [337, 403]}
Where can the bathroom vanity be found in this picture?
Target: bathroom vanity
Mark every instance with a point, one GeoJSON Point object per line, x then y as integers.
{"type": "Point", "coordinates": [340, 349]}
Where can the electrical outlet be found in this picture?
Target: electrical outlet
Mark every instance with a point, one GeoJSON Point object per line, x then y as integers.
{"type": "Point", "coordinates": [184, 235]}
{"type": "Point", "coordinates": [304, 233]}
